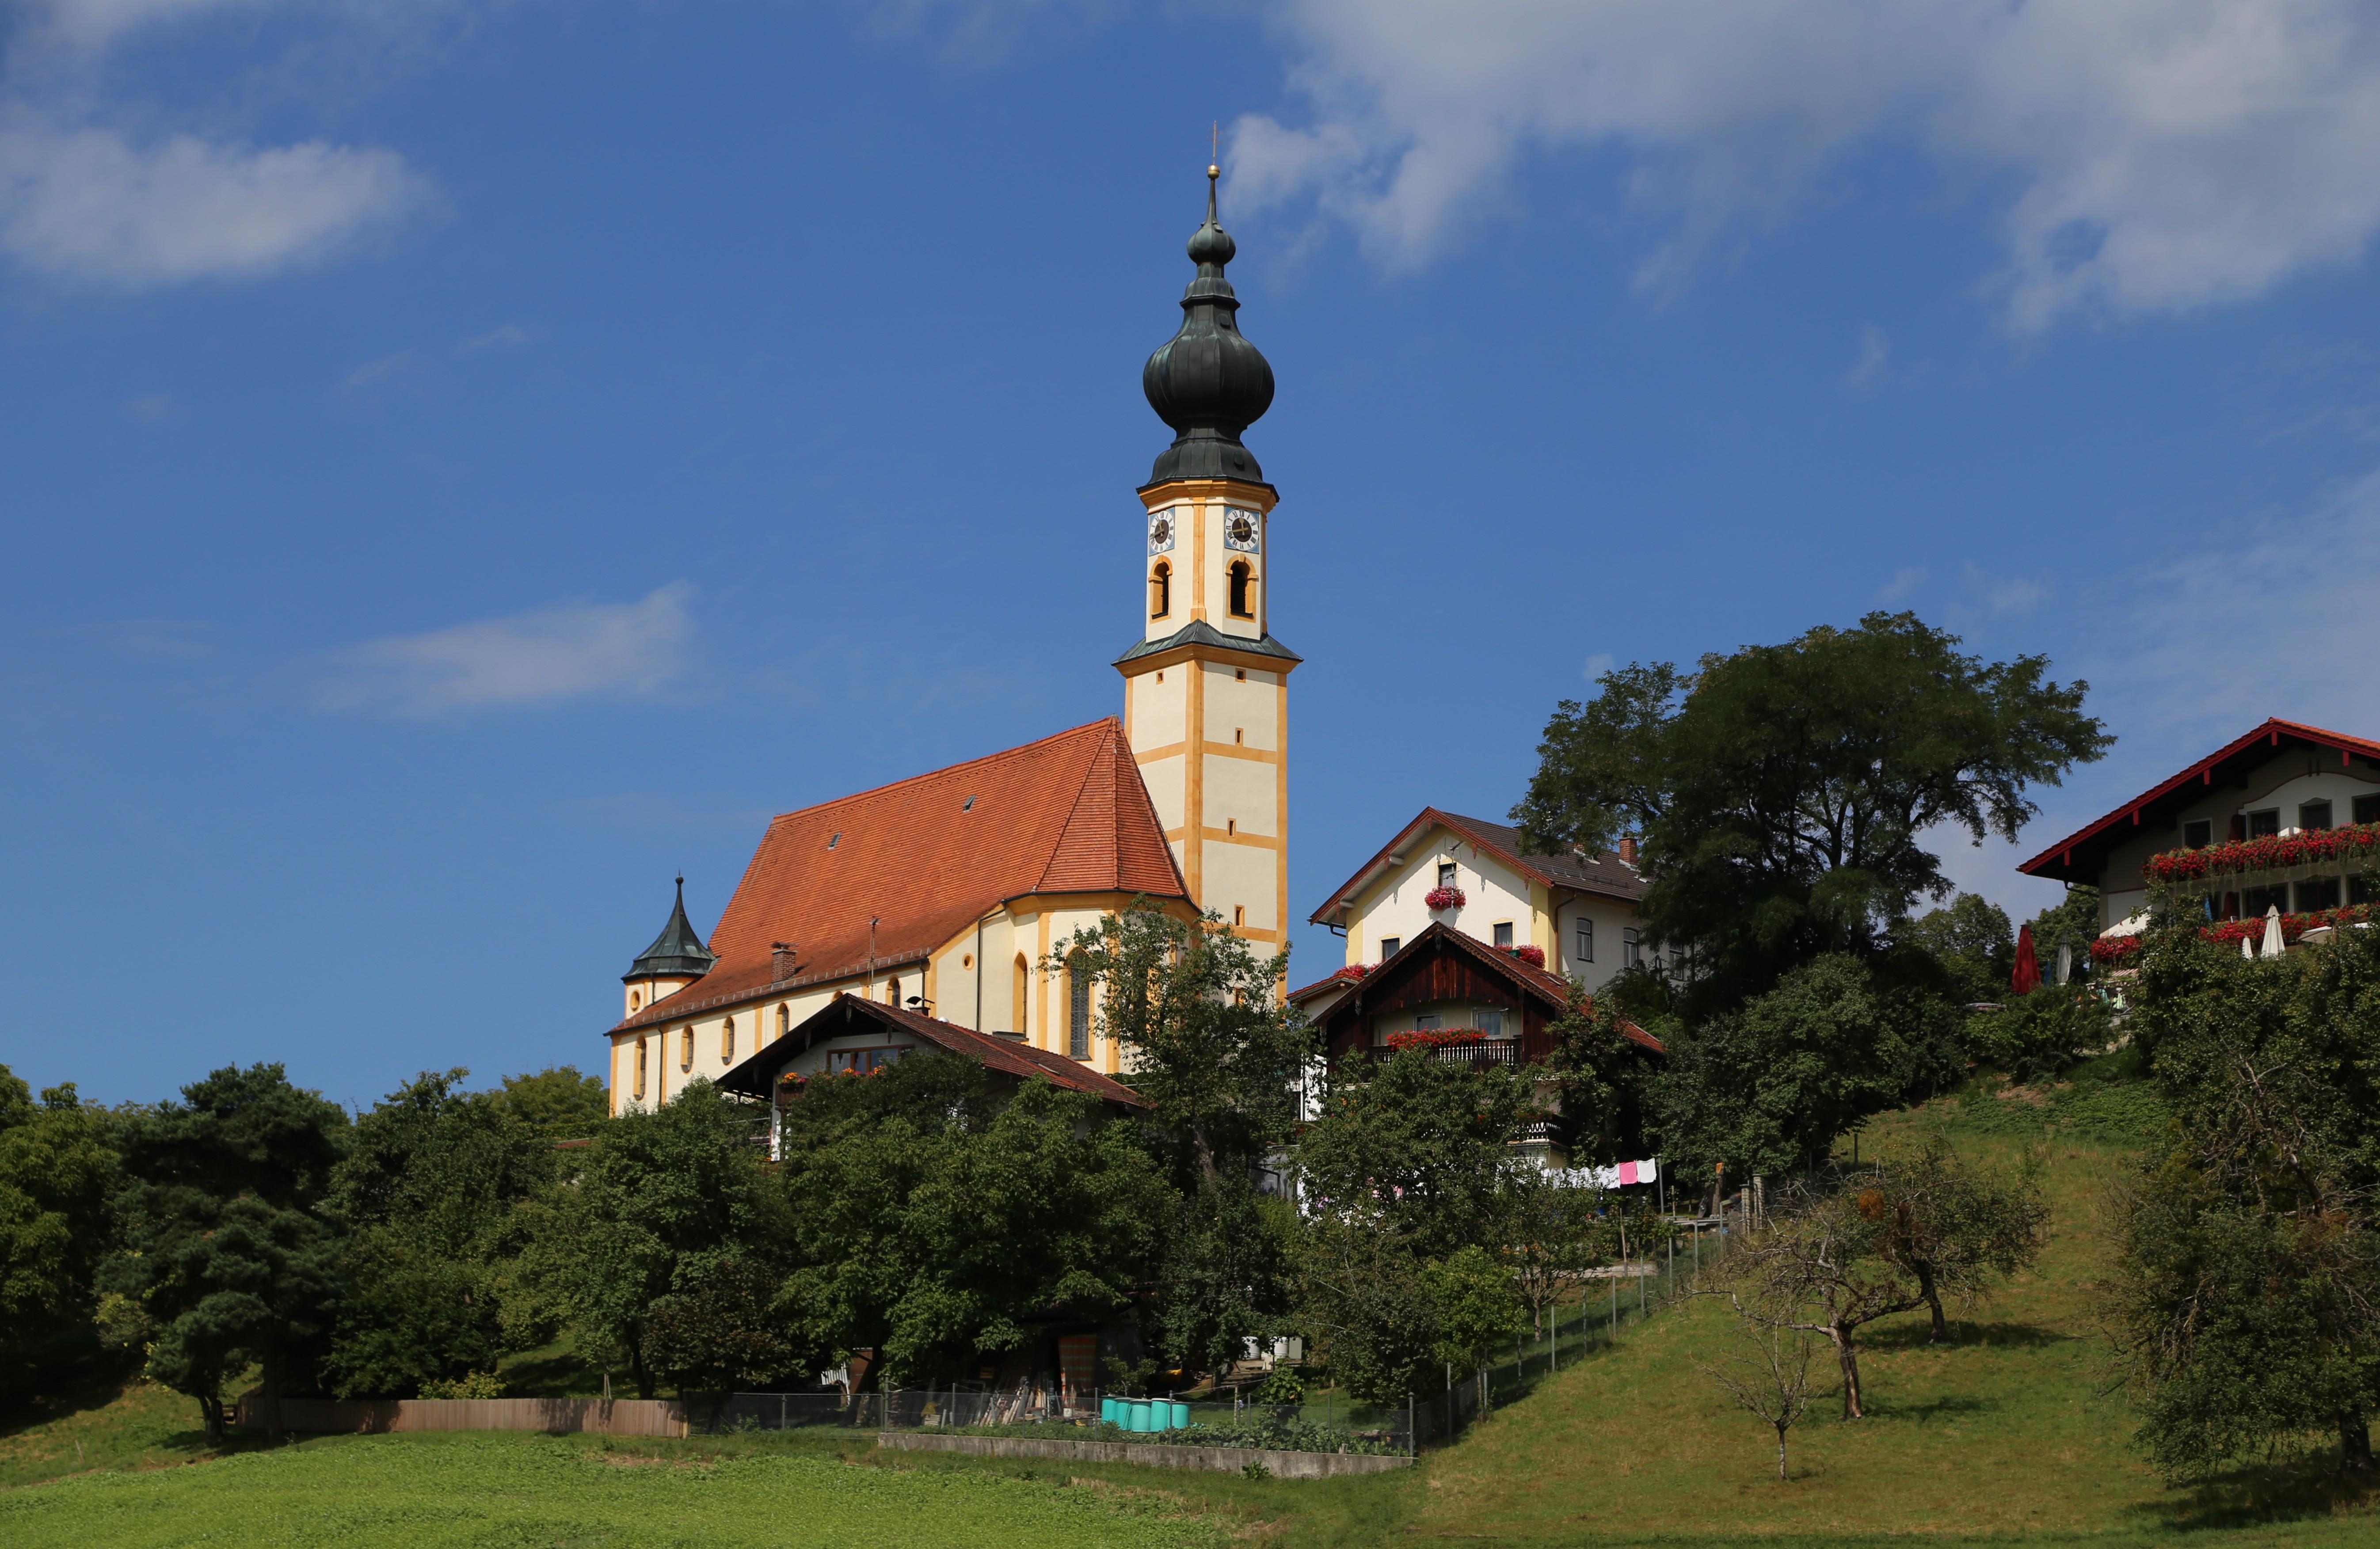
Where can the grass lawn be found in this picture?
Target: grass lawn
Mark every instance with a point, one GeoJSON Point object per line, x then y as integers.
{"type": "Point", "coordinates": [443, 1490]}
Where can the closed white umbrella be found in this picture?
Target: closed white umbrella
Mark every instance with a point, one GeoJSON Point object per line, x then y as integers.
{"type": "Point", "coordinates": [2247, 949]}
{"type": "Point", "coordinates": [2272, 930]}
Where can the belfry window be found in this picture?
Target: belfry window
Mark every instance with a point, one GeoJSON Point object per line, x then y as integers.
{"type": "Point", "coordinates": [1241, 578]}
{"type": "Point", "coordinates": [1161, 590]}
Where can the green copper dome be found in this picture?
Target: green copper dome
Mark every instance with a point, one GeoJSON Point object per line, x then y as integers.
{"type": "Point", "coordinates": [676, 952]}
{"type": "Point", "coordinates": [1208, 382]}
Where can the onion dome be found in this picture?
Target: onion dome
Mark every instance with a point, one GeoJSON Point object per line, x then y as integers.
{"type": "Point", "coordinates": [1208, 382]}
{"type": "Point", "coordinates": [676, 952]}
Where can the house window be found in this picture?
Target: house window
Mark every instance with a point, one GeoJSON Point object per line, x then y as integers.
{"type": "Point", "coordinates": [1079, 1010]}
{"type": "Point", "coordinates": [861, 1062]}
{"type": "Point", "coordinates": [2198, 834]}
{"type": "Point", "coordinates": [1446, 874]}
{"type": "Point", "coordinates": [727, 1042]}
{"type": "Point", "coordinates": [1504, 934]}
{"type": "Point", "coordinates": [1161, 590]}
{"type": "Point", "coordinates": [640, 1070]}
{"type": "Point", "coordinates": [1585, 940]}
{"type": "Point", "coordinates": [1389, 945]}
{"type": "Point", "coordinates": [1428, 1023]}
{"type": "Point", "coordinates": [2367, 808]}
{"type": "Point", "coordinates": [1491, 1024]}
{"type": "Point", "coordinates": [2256, 902]}
{"type": "Point", "coordinates": [2317, 893]}
{"type": "Point", "coordinates": [1240, 579]}
{"type": "Point", "coordinates": [685, 1047]}
{"type": "Point", "coordinates": [1629, 955]}
{"type": "Point", "coordinates": [2264, 824]}
{"type": "Point", "coordinates": [2313, 815]}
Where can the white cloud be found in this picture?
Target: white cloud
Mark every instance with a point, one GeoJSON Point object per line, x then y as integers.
{"type": "Point", "coordinates": [1875, 350]}
{"type": "Point", "coordinates": [1596, 665]}
{"type": "Point", "coordinates": [504, 334]}
{"type": "Point", "coordinates": [371, 373]}
{"type": "Point", "coordinates": [1907, 579]}
{"type": "Point", "coordinates": [589, 650]}
{"type": "Point", "coordinates": [2004, 594]}
{"type": "Point", "coordinates": [88, 205]}
{"type": "Point", "coordinates": [2146, 156]}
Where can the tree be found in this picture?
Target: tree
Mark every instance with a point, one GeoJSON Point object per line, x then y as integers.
{"type": "Point", "coordinates": [426, 1194]}
{"type": "Point", "coordinates": [1952, 1225]}
{"type": "Point", "coordinates": [1971, 939]}
{"type": "Point", "coordinates": [1226, 1275]}
{"type": "Point", "coordinates": [1819, 1270]}
{"type": "Point", "coordinates": [2035, 1035]}
{"type": "Point", "coordinates": [659, 1200]}
{"type": "Point", "coordinates": [1767, 1089]}
{"type": "Point", "coordinates": [935, 1237]}
{"type": "Point", "coordinates": [1200, 1024]}
{"type": "Point", "coordinates": [559, 1100]}
{"type": "Point", "coordinates": [1601, 1076]}
{"type": "Point", "coordinates": [1783, 794]}
{"type": "Point", "coordinates": [1773, 1384]}
{"type": "Point", "coordinates": [1472, 1298]}
{"type": "Point", "coordinates": [224, 1247]}
{"type": "Point", "coordinates": [1416, 1146]}
{"type": "Point", "coordinates": [721, 1332]}
{"type": "Point", "coordinates": [56, 1172]}
{"type": "Point", "coordinates": [2242, 1305]}
{"type": "Point", "coordinates": [1548, 1235]}
{"type": "Point", "coordinates": [1366, 1299]}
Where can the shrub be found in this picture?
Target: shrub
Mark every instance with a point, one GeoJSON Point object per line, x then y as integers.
{"type": "Point", "coordinates": [2035, 1037]}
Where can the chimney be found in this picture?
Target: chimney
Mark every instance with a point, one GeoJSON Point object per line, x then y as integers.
{"type": "Point", "coordinates": [780, 961]}
{"type": "Point", "coordinates": [1628, 851]}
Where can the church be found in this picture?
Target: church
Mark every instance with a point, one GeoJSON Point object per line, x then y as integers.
{"type": "Point", "coordinates": [936, 899]}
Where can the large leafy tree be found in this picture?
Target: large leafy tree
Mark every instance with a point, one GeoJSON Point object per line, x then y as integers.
{"type": "Point", "coordinates": [56, 1172]}
{"type": "Point", "coordinates": [2248, 1267]}
{"type": "Point", "coordinates": [427, 1192]}
{"type": "Point", "coordinates": [1783, 794]}
{"type": "Point", "coordinates": [560, 1100]}
{"type": "Point", "coordinates": [652, 1209]}
{"type": "Point", "coordinates": [935, 1224]}
{"type": "Point", "coordinates": [225, 1246]}
{"type": "Point", "coordinates": [1766, 1088]}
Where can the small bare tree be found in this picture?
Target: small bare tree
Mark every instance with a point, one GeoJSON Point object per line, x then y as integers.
{"type": "Point", "coordinates": [1819, 1269]}
{"type": "Point", "coordinates": [1772, 1380]}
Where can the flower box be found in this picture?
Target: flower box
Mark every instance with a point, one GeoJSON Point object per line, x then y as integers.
{"type": "Point", "coordinates": [1354, 971]}
{"type": "Point", "coordinates": [1534, 956]}
{"type": "Point", "coordinates": [1445, 898]}
{"type": "Point", "coordinates": [2230, 933]}
{"type": "Point", "coordinates": [1437, 1037]}
{"type": "Point", "coordinates": [2273, 852]}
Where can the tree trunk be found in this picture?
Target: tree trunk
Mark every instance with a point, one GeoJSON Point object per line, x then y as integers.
{"type": "Point", "coordinates": [1780, 1448]}
{"type": "Point", "coordinates": [1849, 1359]}
{"type": "Point", "coordinates": [1941, 1333]}
{"type": "Point", "coordinates": [636, 1365]}
{"type": "Point", "coordinates": [211, 1414]}
{"type": "Point", "coordinates": [2354, 1442]}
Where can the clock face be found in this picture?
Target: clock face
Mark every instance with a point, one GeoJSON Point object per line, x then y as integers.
{"type": "Point", "coordinates": [1161, 531]}
{"type": "Point", "coordinates": [1240, 528]}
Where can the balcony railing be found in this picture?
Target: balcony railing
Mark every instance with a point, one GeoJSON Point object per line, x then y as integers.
{"type": "Point", "coordinates": [1500, 1053]}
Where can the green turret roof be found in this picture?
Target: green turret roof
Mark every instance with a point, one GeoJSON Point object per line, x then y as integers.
{"type": "Point", "coordinates": [677, 951]}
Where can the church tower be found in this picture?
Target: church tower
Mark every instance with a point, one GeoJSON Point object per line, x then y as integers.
{"type": "Point", "coordinates": [1207, 688]}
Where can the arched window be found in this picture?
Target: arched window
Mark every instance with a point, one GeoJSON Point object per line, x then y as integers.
{"type": "Point", "coordinates": [1078, 1009]}
{"type": "Point", "coordinates": [1019, 975]}
{"type": "Point", "coordinates": [784, 1019]}
{"type": "Point", "coordinates": [892, 992]}
{"type": "Point", "coordinates": [1161, 590]}
{"type": "Point", "coordinates": [1241, 576]}
{"type": "Point", "coordinates": [640, 1070]}
{"type": "Point", "coordinates": [685, 1047]}
{"type": "Point", "coordinates": [727, 1041]}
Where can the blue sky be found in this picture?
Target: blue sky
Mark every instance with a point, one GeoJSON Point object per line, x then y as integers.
{"type": "Point", "coordinates": [464, 463]}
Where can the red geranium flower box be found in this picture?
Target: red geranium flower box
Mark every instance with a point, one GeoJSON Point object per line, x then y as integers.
{"type": "Point", "coordinates": [1534, 956]}
{"type": "Point", "coordinates": [1437, 1037]}
{"type": "Point", "coordinates": [1445, 898]}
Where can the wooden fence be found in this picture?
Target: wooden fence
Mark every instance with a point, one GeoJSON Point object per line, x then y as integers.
{"type": "Point", "coordinates": [612, 1417]}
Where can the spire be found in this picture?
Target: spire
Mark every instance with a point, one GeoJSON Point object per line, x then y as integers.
{"type": "Point", "coordinates": [1208, 382]}
{"type": "Point", "coordinates": [676, 951]}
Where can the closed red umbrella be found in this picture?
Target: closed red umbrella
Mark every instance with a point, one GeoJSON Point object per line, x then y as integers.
{"type": "Point", "coordinates": [2027, 978]}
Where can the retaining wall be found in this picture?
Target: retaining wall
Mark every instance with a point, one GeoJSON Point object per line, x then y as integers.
{"type": "Point", "coordinates": [1229, 1460]}
{"type": "Point", "coordinates": [617, 1417]}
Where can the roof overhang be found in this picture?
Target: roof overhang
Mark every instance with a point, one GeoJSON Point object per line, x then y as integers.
{"type": "Point", "coordinates": [2082, 856]}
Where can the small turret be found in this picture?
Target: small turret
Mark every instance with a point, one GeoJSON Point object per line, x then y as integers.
{"type": "Point", "coordinates": [676, 960]}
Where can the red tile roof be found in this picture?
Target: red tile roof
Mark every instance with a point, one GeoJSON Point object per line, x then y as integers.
{"type": "Point", "coordinates": [1606, 875]}
{"type": "Point", "coordinates": [928, 855]}
{"type": "Point", "coordinates": [2058, 861]}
